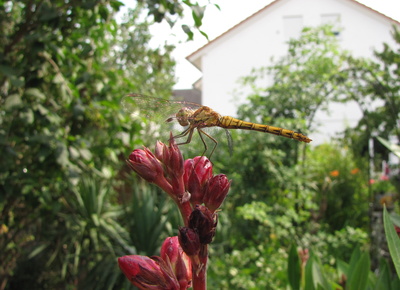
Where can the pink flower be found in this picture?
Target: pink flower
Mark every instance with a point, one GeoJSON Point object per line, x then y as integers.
{"type": "Point", "coordinates": [172, 253]}
{"type": "Point", "coordinates": [384, 177]}
{"type": "Point", "coordinates": [148, 273]}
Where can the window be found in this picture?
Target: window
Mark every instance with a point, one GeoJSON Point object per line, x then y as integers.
{"type": "Point", "coordinates": [334, 20]}
{"type": "Point", "coordinates": [292, 26]}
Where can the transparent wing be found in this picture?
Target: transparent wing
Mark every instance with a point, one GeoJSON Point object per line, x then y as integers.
{"type": "Point", "coordinates": [230, 141]}
{"type": "Point", "coordinates": [155, 109]}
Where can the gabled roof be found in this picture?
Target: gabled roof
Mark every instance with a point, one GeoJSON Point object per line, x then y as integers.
{"type": "Point", "coordinates": [193, 61]}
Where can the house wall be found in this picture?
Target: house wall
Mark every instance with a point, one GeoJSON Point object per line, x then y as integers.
{"type": "Point", "coordinates": [262, 36]}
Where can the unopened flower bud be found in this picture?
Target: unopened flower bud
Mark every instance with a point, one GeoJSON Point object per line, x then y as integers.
{"type": "Point", "coordinates": [147, 273]}
{"type": "Point", "coordinates": [204, 222]}
{"type": "Point", "coordinates": [176, 160]}
{"type": "Point", "coordinates": [144, 163]}
{"type": "Point", "coordinates": [172, 252]}
{"type": "Point", "coordinates": [197, 173]}
{"type": "Point", "coordinates": [189, 241]}
{"type": "Point", "coordinates": [216, 191]}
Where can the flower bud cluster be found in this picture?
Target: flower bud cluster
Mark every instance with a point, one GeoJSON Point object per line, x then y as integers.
{"type": "Point", "coordinates": [202, 185]}
{"type": "Point", "coordinates": [190, 180]}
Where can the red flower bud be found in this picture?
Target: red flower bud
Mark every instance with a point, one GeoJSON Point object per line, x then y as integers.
{"type": "Point", "coordinates": [197, 173]}
{"type": "Point", "coordinates": [189, 241]}
{"type": "Point", "coordinates": [172, 253]}
{"type": "Point", "coordinates": [144, 163]}
{"type": "Point", "coordinates": [176, 160]}
{"type": "Point", "coordinates": [216, 191]}
{"type": "Point", "coordinates": [147, 273]}
{"type": "Point", "coordinates": [204, 222]}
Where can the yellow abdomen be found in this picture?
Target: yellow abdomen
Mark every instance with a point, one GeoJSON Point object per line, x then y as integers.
{"type": "Point", "coordinates": [233, 123]}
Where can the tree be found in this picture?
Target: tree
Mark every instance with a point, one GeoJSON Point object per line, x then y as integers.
{"type": "Point", "coordinates": [171, 10]}
{"type": "Point", "coordinates": [376, 89]}
{"type": "Point", "coordinates": [64, 68]}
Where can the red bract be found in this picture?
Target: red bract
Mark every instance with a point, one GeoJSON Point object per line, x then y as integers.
{"type": "Point", "coordinates": [147, 273]}
{"type": "Point", "coordinates": [216, 191]}
{"type": "Point", "coordinates": [172, 253]}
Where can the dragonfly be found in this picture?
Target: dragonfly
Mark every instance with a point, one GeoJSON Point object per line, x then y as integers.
{"type": "Point", "coordinates": [195, 117]}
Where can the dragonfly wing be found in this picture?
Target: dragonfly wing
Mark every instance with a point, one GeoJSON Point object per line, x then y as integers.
{"type": "Point", "coordinates": [152, 108]}
{"type": "Point", "coordinates": [230, 141]}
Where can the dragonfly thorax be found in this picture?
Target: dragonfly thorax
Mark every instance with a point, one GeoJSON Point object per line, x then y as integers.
{"type": "Point", "coordinates": [183, 116]}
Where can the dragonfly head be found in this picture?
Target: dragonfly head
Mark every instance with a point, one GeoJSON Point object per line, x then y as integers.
{"type": "Point", "coordinates": [183, 116]}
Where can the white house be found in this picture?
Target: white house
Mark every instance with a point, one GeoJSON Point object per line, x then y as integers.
{"type": "Point", "coordinates": [252, 43]}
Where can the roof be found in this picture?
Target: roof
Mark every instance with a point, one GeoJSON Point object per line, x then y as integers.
{"type": "Point", "coordinates": [189, 95]}
{"type": "Point", "coordinates": [261, 11]}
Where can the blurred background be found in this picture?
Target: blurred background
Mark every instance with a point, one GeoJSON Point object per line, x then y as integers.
{"type": "Point", "coordinates": [69, 204]}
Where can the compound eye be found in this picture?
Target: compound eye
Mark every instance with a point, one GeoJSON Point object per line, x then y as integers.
{"type": "Point", "coordinates": [182, 117]}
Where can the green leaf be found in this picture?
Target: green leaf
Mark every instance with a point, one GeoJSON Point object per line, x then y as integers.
{"type": "Point", "coordinates": [197, 14]}
{"type": "Point", "coordinates": [48, 13]}
{"type": "Point", "coordinates": [395, 283]}
{"type": "Point", "coordinates": [204, 34]}
{"type": "Point", "coordinates": [342, 267]}
{"type": "Point", "coordinates": [395, 219]}
{"type": "Point", "coordinates": [8, 71]}
{"type": "Point", "coordinates": [12, 101]}
{"type": "Point", "coordinates": [383, 280]}
{"type": "Point", "coordinates": [62, 156]}
{"type": "Point", "coordinates": [34, 92]}
{"type": "Point", "coordinates": [355, 256]}
{"type": "Point", "coordinates": [27, 116]}
{"type": "Point", "coordinates": [294, 268]}
{"type": "Point", "coordinates": [37, 251]}
{"type": "Point", "coordinates": [116, 5]}
{"type": "Point", "coordinates": [392, 240]}
{"type": "Point", "coordinates": [359, 276]}
{"type": "Point", "coordinates": [188, 31]}
{"type": "Point", "coordinates": [314, 276]}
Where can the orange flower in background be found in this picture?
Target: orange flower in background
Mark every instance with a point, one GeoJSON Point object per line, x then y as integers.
{"type": "Point", "coordinates": [334, 173]}
{"type": "Point", "coordinates": [355, 171]}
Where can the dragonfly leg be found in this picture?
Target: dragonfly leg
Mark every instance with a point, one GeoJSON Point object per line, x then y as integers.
{"type": "Point", "coordinates": [202, 140]}
{"type": "Point", "coordinates": [183, 134]}
{"type": "Point", "coordinates": [205, 145]}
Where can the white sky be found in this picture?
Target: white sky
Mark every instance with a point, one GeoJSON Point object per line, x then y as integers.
{"type": "Point", "coordinates": [216, 22]}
